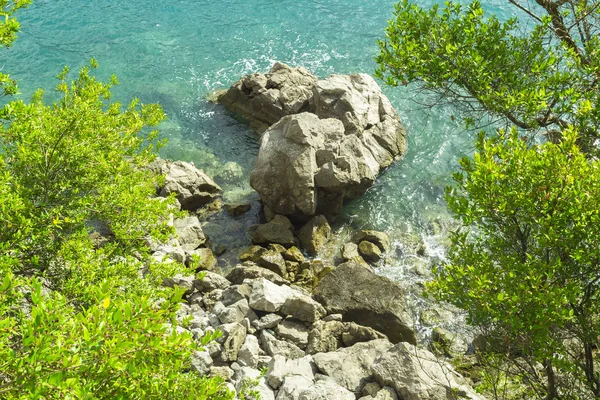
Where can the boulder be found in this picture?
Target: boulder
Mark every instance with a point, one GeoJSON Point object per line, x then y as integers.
{"type": "Point", "coordinates": [351, 366]}
{"type": "Point", "coordinates": [270, 259]}
{"type": "Point", "coordinates": [367, 299]}
{"type": "Point", "coordinates": [314, 234]}
{"type": "Point", "coordinates": [192, 187]}
{"type": "Point", "coordinates": [235, 312]}
{"type": "Point", "coordinates": [326, 140]}
{"type": "Point", "coordinates": [417, 374]}
{"type": "Point", "coordinates": [264, 99]}
{"type": "Point", "coordinates": [234, 336]}
{"type": "Point", "coordinates": [189, 233]}
{"type": "Point", "coordinates": [278, 230]}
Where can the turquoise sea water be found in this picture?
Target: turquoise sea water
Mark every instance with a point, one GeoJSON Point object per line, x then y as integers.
{"type": "Point", "coordinates": [178, 52]}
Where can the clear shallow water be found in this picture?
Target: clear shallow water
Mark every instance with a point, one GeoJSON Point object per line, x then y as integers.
{"type": "Point", "coordinates": [178, 52]}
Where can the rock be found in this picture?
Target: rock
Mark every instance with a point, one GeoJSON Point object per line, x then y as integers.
{"type": "Point", "coordinates": [234, 336]}
{"type": "Point", "coordinates": [275, 347]}
{"type": "Point", "coordinates": [278, 230]}
{"type": "Point", "coordinates": [386, 393]}
{"type": "Point", "coordinates": [267, 322]}
{"type": "Point", "coordinates": [192, 187]}
{"type": "Point", "coordinates": [417, 374]}
{"type": "Point", "coordinates": [183, 281]}
{"type": "Point", "coordinates": [237, 209]}
{"type": "Point", "coordinates": [294, 332]}
{"type": "Point", "coordinates": [249, 352]}
{"type": "Point", "coordinates": [235, 312]}
{"type": "Point", "coordinates": [201, 259]}
{"type": "Point", "coordinates": [447, 343]}
{"type": "Point", "coordinates": [367, 299]}
{"type": "Point", "coordinates": [315, 234]}
{"type": "Point", "coordinates": [381, 239]}
{"type": "Point", "coordinates": [292, 387]}
{"type": "Point", "coordinates": [210, 298]}
{"type": "Point", "coordinates": [326, 389]}
{"type": "Point", "coordinates": [270, 259]}
{"type": "Point", "coordinates": [269, 297]}
{"type": "Point", "coordinates": [235, 293]}
{"type": "Point", "coordinates": [281, 368]}
{"type": "Point", "coordinates": [252, 271]}
{"type": "Point", "coordinates": [201, 362]}
{"type": "Point", "coordinates": [174, 252]}
{"type": "Point", "coordinates": [189, 233]}
{"type": "Point", "coordinates": [265, 98]}
{"type": "Point", "coordinates": [250, 379]}
{"type": "Point", "coordinates": [210, 282]}
{"type": "Point", "coordinates": [327, 336]}
{"type": "Point", "coordinates": [371, 389]}
{"type": "Point", "coordinates": [351, 366]}
{"type": "Point", "coordinates": [326, 140]}
{"type": "Point", "coordinates": [303, 308]}
{"type": "Point", "coordinates": [369, 251]}
{"type": "Point", "coordinates": [350, 251]}
{"type": "Point", "coordinates": [223, 372]}
{"type": "Point", "coordinates": [294, 254]}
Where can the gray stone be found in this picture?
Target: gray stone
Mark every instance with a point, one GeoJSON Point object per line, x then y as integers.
{"type": "Point", "coordinates": [386, 393]}
{"type": "Point", "coordinates": [173, 251]}
{"type": "Point", "coordinates": [273, 347]}
{"type": "Point", "coordinates": [292, 387]}
{"type": "Point", "coordinates": [267, 322]}
{"type": "Point", "coordinates": [417, 374]}
{"type": "Point", "coordinates": [183, 281]}
{"type": "Point", "coordinates": [235, 293]}
{"type": "Point", "coordinates": [327, 336]}
{"type": "Point", "coordinates": [201, 362]}
{"type": "Point", "coordinates": [302, 307]}
{"type": "Point", "coordinates": [280, 368]}
{"type": "Point", "coordinates": [250, 379]}
{"type": "Point", "coordinates": [326, 390]}
{"type": "Point", "coordinates": [294, 332]}
{"type": "Point", "coordinates": [236, 312]}
{"type": "Point", "coordinates": [189, 233]}
{"type": "Point", "coordinates": [269, 297]}
{"type": "Point", "coordinates": [314, 235]}
{"type": "Point", "coordinates": [221, 371]}
{"type": "Point", "coordinates": [234, 336]}
{"type": "Point", "coordinates": [210, 282]}
{"type": "Point", "coordinates": [211, 298]}
{"type": "Point", "coordinates": [249, 352]}
{"type": "Point", "coordinates": [351, 366]}
{"type": "Point", "coordinates": [367, 299]}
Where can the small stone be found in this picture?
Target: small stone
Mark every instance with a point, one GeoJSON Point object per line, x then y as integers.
{"type": "Point", "coordinates": [294, 254]}
{"type": "Point", "coordinates": [381, 239]}
{"type": "Point", "coordinates": [250, 270]}
{"type": "Point", "coordinates": [303, 307]}
{"type": "Point", "coordinates": [189, 232]}
{"type": "Point", "coordinates": [224, 372]}
{"type": "Point", "coordinates": [275, 347]}
{"type": "Point", "coordinates": [183, 281]}
{"type": "Point", "coordinates": [235, 293]}
{"type": "Point", "coordinates": [249, 352]}
{"type": "Point", "coordinates": [281, 368]}
{"type": "Point", "coordinates": [201, 362]}
{"type": "Point", "coordinates": [234, 336]}
{"type": "Point", "coordinates": [211, 298]}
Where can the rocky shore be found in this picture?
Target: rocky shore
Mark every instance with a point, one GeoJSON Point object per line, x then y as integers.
{"type": "Point", "coordinates": [294, 326]}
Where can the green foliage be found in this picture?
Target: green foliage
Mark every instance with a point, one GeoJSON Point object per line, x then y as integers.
{"type": "Point", "coordinates": [528, 272]}
{"type": "Point", "coordinates": [541, 72]}
{"type": "Point", "coordinates": [9, 27]}
{"type": "Point", "coordinates": [83, 315]}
